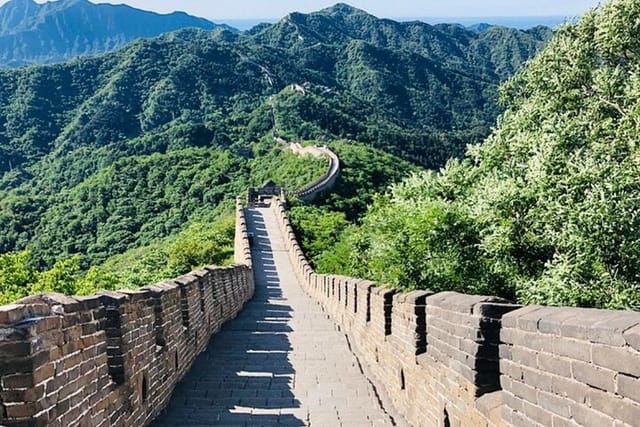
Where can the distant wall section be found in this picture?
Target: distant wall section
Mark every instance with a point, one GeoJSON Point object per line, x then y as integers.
{"type": "Point", "coordinates": [324, 183]}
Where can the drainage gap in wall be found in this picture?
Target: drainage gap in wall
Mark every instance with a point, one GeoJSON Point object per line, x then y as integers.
{"type": "Point", "coordinates": [184, 306]}
{"type": "Point", "coordinates": [446, 423]}
{"type": "Point", "coordinates": [402, 382]}
{"type": "Point", "coordinates": [158, 321]}
{"type": "Point", "coordinates": [201, 288]}
{"type": "Point", "coordinates": [3, 409]}
{"type": "Point", "coordinates": [346, 294]}
{"type": "Point", "coordinates": [369, 306]}
{"type": "Point", "coordinates": [355, 300]}
{"type": "Point", "coordinates": [175, 360]}
{"type": "Point", "coordinates": [145, 387]}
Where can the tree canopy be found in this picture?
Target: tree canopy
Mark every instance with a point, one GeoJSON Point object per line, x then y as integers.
{"type": "Point", "coordinates": [546, 210]}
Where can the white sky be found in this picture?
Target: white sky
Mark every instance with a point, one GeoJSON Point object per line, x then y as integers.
{"type": "Point", "coordinates": [250, 9]}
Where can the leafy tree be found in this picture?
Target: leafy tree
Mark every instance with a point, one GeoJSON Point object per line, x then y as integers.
{"type": "Point", "coordinates": [16, 275]}
{"type": "Point", "coordinates": [546, 210]}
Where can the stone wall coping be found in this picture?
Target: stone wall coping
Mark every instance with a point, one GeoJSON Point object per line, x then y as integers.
{"type": "Point", "coordinates": [15, 313]}
{"type": "Point", "coordinates": [382, 291]}
{"type": "Point", "coordinates": [463, 303]}
{"type": "Point", "coordinates": [413, 297]}
{"type": "Point", "coordinates": [365, 284]}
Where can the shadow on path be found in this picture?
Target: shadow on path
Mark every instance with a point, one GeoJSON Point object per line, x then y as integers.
{"type": "Point", "coordinates": [245, 377]}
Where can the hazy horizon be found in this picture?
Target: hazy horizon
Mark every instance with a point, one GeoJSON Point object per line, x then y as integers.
{"type": "Point", "coordinates": [519, 22]}
{"type": "Point", "coordinates": [257, 10]}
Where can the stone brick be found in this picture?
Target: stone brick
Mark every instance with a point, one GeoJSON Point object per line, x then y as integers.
{"type": "Point", "coordinates": [632, 337]}
{"type": "Point", "coordinates": [578, 325]}
{"type": "Point", "coordinates": [609, 330]}
{"type": "Point", "coordinates": [494, 310]}
{"type": "Point", "coordinates": [614, 406]}
{"type": "Point", "coordinates": [560, 367]}
{"type": "Point", "coordinates": [523, 391]}
{"type": "Point", "coordinates": [532, 340]}
{"type": "Point", "coordinates": [14, 313]}
{"type": "Point", "coordinates": [571, 389]}
{"type": "Point", "coordinates": [573, 349]}
{"type": "Point", "coordinates": [538, 379]}
{"type": "Point", "coordinates": [557, 421]}
{"type": "Point", "coordinates": [524, 356]}
{"type": "Point", "coordinates": [556, 404]}
{"type": "Point", "coordinates": [554, 364]}
{"type": "Point", "coordinates": [511, 369]}
{"type": "Point", "coordinates": [530, 321]}
{"type": "Point", "coordinates": [537, 413]}
{"type": "Point", "coordinates": [510, 320]}
{"type": "Point", "coordinates": [587, 417]}
{"type": "Point", "coordinates": [551, 321]}
{"type": "Point", "coordinates": [594, 376]}
{"type": "Point", "coordinates": [629, 387]}
{"type": "Point", "coordinates": [621, 359]}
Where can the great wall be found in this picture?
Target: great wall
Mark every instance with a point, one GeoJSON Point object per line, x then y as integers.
{"type": "Point", "coordinates": [345, 351]}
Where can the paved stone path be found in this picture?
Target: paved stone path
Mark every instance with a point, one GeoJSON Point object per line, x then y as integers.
{"type": "Point", "coordinates": [280, 363]}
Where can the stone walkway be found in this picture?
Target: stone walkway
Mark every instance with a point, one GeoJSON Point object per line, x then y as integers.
{"type": "Point", "coordinates": [280, 363]}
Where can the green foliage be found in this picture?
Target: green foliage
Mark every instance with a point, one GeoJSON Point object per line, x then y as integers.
{"type": "Point", "coordinates": [319, 228]}
{"type": "Point", "coordinates": [19, 278]}
{"type": "Point", "coordinates": [16, 276]}
{"type": "Point", "coordinates": [286, 169]}
{"type": "Point", "coordinates": [205, 242]}
{"type": "Point", "coordinates": [364, 172]}
{"type": "Point", "coordinates": [122, 153]}
{"type": "Point", "coordinates": [200, 244]}
{"type": "Point", "coordinates": [62, 278]}
{"type": "Point", "coordinates": [406, 87]}
{"type": "Point", "coordinates": [547, 209]}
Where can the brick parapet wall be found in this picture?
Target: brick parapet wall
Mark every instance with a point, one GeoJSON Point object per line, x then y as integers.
{"type": "Point", "coordinates": [114, 358]}
{"type": "Point", "coordinates": [325, 182]}
{"type": "Point", "coordinates": [242, 246]}
{"type": "Point", "coordinates": [464, 360]}
{"type": "Point", "coordinates": [571, 366]}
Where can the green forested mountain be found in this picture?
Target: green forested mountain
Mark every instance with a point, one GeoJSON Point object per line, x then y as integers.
{"type": "Point", "coordinates": [55, 31]}
{"type": "Point", "coordinates": [547, 209]}
{"type": "Point", "coordinates": [103, 155]}
{"type": "Point", "coordinates": [405, 87]}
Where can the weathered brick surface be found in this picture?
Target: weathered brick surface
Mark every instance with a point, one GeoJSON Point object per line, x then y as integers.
{"type": "Point", "coordinates": [574, 365]}
{"type": "Point", "coordinates": [113, 359]}
{"type": "Point", "coordinates": [479, 361]}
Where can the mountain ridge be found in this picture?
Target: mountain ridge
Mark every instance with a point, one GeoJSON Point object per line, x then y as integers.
{"type": "Point", "coordinates": [56, 31]}
{"type": "Point", "coordinates": [162, 102]}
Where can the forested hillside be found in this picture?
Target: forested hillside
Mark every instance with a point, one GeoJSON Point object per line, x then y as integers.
{"type": "Point", "coordinates": [55, 31]}
{"type": "Point", "coordinates": [140, 147]}
{"type": "Point", "coordinates": [546, 210]}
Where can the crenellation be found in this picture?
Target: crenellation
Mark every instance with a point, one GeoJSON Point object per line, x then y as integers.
{"type": "Point", "coordinates": [114, 358]}
{"type": "Point", "coordinates": [480, 360]}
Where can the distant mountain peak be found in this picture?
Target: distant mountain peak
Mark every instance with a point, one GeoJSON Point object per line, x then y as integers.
{"type": "Point", "coordinates": [59, 30]}
{"type": "Point", "coordinates": [480, 27]}
{"type": "Point", "coordinates": [343, 9]}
